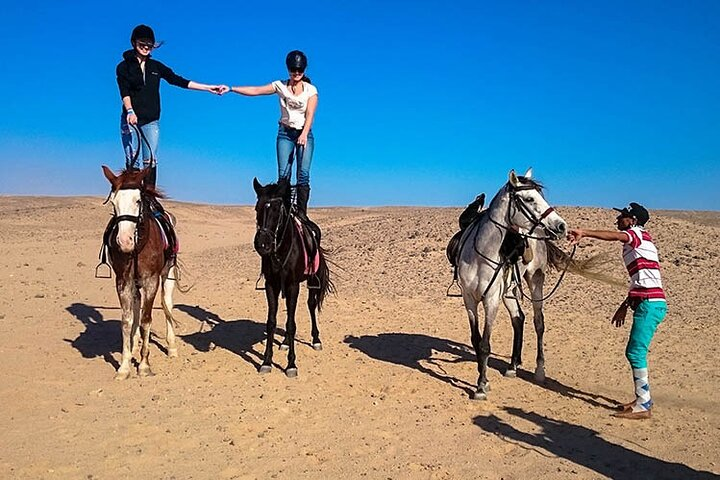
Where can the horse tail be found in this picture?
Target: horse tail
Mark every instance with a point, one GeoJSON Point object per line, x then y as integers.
{"type": "Point", "coordinates": [589, 268]}
{"type": "Point", "coordinates": [323, 275]}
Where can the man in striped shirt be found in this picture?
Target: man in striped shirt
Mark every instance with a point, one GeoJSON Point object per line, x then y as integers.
{"type": "Point", "coordinates": [646, 297]}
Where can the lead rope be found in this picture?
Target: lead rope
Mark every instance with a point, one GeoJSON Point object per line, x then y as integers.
{"type": "Point", "coordinates": [557, 285]}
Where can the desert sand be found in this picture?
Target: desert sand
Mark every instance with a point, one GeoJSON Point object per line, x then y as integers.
{"type": "Point", "coordinates": [387, 398]}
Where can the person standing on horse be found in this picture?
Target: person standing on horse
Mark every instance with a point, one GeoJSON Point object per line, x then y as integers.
{"type": "Point", "coordinates": [295, 142]}
{"type": "Point", "coordinates": [646, 297]}
{"type": "Point", "coordinates": [138, 77]}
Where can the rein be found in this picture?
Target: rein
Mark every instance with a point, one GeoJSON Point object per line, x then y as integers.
{"type": "Point", "coordinates": [557, 285]}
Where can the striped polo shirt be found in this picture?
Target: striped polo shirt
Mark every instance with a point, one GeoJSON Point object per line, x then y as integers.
{"type": "Point", "coordinates": [641, 260]}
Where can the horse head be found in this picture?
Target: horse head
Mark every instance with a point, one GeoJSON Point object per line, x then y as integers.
{"type": "Point", "coordinates": [272, 215]}
{"type": "Point", "coordinates": [126, 197]}
{"type": "Point", "coordinates": [528, 207]}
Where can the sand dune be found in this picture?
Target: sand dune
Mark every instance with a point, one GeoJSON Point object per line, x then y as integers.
{"type": "Point", "coordinates": [388, 395]}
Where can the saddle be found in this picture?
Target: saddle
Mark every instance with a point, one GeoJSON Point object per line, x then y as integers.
{"type": "Point", "coordinates": [513, 246]}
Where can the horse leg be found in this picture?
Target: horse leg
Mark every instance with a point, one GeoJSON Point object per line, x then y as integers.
{"type": "Point", "coordinates": [518, 323]}
{"type": "Point", "coordinates": [126, 294]}
{"type": "Point", "coordinates": [272, 291]}
{"type": "Point", "coordinates": [292, 290]}
{"type": "Point", "coordinates": [471, 306]}
{"type": "Point", "coordinates": [148, 292]}
{"type": "Point", "coordinates": [491, 304]}
{"type": "Point", "coordinates": [312, 306]}
{"type": "Point", "coordinates": [535, 282]}
{"type": "Point", "coordinates": [168, 287]}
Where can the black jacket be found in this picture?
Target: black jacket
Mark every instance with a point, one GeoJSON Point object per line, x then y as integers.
{"type": "Point", "coordinates": [145, 93]}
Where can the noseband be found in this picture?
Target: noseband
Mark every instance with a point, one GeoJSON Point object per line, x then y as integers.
{"type": "Point", "coordinates": [520, 206]}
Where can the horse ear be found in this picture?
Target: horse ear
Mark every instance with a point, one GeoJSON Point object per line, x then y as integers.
{"type": "Point", "coordinates": [257, 186]}
{"type": "Point", "coordinates": [513, 179]}
{"type": "Point", "coordinates": [528, 174]}
{"type": "Point", "coordinates": [481, 199]}
{"type": "Point", "coordinates": [109, 175]}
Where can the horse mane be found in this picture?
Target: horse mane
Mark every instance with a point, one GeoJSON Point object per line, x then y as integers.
{"type": "Point", "coordinates": [271, 191]}
{"type": "Point", "coordinates": [532, 182]}
{"type": "Point", "coordinates": [130, 178]}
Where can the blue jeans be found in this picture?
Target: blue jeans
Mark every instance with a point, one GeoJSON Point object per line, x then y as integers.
{"type": "Point", "coordinates": [287, 154]}
{"type": "Point", "coordinates": [152, 134]}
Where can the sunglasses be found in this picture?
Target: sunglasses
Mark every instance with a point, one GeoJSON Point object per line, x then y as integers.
{"type": "Point", "coordinates": [297, 72]}
{"type": "Point", "coordinates": [149, 46]}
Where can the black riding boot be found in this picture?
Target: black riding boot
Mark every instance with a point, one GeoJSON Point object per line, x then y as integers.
{"type": "Point", "coordinates": [303, 195]}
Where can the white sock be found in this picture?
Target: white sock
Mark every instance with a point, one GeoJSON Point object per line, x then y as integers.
{"type": "Point", "coordinates": [642, 390]}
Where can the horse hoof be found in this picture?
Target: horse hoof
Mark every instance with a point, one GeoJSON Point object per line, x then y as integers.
{"type": "Point", "coordinates": [540, 377]}
{"type": "Point", "coordinates": [145, 372]}
{"type": "Point", "coordinates": [317, 346]}
{"type": "Point", "coordinates": [478, 396]}
{"type": "Point", "coordinates": [511, 373]}
{"type": "Point", "coordinates": [291, 372]}
{"type": "Point", "coordinates": [265, 369]}
{"type": "Point", "coordinates": [284, 346]}
{"type": "Point", "coordinates": [122, 375]}
{"type": "Point", "coordinates": [173, 352]}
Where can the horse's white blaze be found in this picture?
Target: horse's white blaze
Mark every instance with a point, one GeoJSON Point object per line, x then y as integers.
{"type": "Point", "coordinates": [126, 202]}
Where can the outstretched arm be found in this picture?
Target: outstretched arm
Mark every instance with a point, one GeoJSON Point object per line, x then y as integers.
{"type": "Point", "coordinates": [205, 88]}
{"type": "Point", "coordinates": [253, 91]}
{"type": "Point", "coordinates": [576, 234]}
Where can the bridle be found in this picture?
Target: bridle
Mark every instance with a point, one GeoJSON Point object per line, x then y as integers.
{"type": "Point", "coordinates": [517, 202]}
{"type": "Point", "coordinates": [520, 206]}
{"type": "Point", "coordinates": [278, 233]}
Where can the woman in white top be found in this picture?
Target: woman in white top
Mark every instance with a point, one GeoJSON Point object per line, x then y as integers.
{"type": "Point", "coordinates": [295, 141]}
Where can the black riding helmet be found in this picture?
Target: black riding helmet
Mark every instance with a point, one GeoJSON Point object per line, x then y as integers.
{"type": "Point", "coordinates": [296, 61]}
{"type": "Point", "coordinates": [142, 32]}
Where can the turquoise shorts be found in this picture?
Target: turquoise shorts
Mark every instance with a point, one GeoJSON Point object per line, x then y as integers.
{"type": "Point", "coordinates": [646, 318]}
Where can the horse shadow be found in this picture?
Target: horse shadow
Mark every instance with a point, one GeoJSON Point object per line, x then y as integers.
{"type": "Point", "coordinates": [419, 352]}
{"type": "Point", "coordinates": [584, 446]}
{"type": "Point", "coordinates": [101, 337]}
{"type": "Point", "coordinates": [236, 336]}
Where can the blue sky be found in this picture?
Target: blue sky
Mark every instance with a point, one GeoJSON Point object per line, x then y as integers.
{"type": "Point", "coordinates": [421, 103]}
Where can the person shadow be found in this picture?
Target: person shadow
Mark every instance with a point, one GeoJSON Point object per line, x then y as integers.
{"type": "Point", "coordinates": [584, 446]}
{"type": "Point", "coordinates": [420, 352]}
{"type": "Point", "coordinates": [101, 337]}
{"type": "Point", "coordinates": [237, 336]}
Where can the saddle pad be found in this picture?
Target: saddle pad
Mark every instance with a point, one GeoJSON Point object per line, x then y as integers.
{"type": "Point", "coordinates": [311, 265]}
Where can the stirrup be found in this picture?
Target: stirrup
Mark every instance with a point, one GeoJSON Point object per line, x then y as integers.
{"type": "Point", "coordinates": [257, 282]}
{"type": "Point", "coordinates": [98, 273]}
{"type": "Point", "coordinates": [311, 285]}
{"type": "Point", "coordinates": [450, 287]}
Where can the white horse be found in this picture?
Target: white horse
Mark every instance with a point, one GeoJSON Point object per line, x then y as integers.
{"type": "Point", "coordinates": [519, 206]}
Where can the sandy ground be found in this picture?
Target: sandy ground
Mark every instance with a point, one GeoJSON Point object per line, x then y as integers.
{"type": "Point", "coordinates": [388, 395]}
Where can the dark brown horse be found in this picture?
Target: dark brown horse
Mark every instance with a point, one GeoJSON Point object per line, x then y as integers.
{"type": "Point", "coordinates": [140, 260]}
{"type": "Point", "coordinates": [279, 242]}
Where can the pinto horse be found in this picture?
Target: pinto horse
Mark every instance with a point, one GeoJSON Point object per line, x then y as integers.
{"type": "Point", "coordinates": [518, 207]}
{"type": "Point", "coordinates": [140, 260]}
{"type": "Point", "coordinates": [279, 242]}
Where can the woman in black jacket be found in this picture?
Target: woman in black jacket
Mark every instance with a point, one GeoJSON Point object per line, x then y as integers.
{"type": "Point", "coordinates": [138, 77]}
